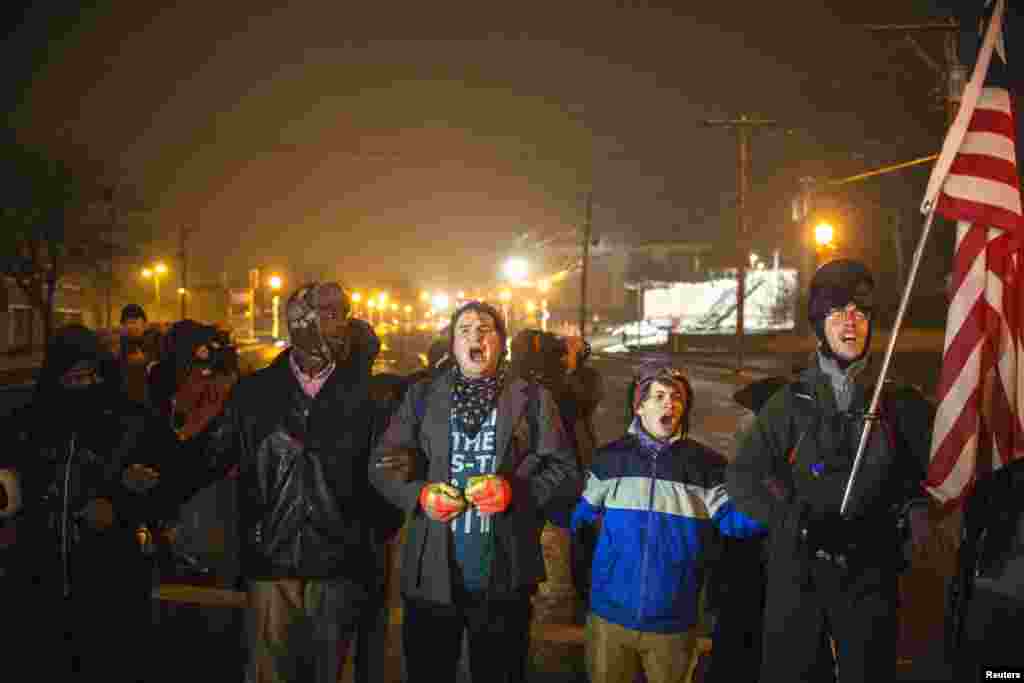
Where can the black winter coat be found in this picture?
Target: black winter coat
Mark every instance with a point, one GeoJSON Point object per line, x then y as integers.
{"type": "Point", "coordinates": [305, 505]}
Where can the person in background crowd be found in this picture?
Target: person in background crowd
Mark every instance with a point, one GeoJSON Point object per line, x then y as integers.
{"type": "Point", "coordinates": [481, 479]}
{"type": "Point", "coordinates": [387, 391]}
{"type": "Point", "coordinates": [989, 585]}
{"type": "Point", "coordinates": [559, 364]}
{"type": "Point", "coordinates": [138, 349]}
{"type": "Point", "coordinates": [656, 494]}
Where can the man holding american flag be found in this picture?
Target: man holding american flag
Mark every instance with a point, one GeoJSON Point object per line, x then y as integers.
{"type": "Point", "coordinates": [978, 439]}
{"type": "Point", "coordinates": [830, 574]}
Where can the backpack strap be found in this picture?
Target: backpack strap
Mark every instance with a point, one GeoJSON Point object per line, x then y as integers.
{"type": "Point", "coordinates": [807, 415]}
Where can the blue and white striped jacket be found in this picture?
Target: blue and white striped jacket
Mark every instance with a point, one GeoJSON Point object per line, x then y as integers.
{"type": "Point", "coordinates": [657, 504]}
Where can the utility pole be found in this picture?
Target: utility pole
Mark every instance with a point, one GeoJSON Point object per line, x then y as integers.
{"type": "Point", "coordinates": [804, 218]}
{"type": "Point", "coordinates": [744, 128]}
{"type": "Point", "coordinates": [953, 75]}
{"type": "Point", "coordinates": [586, 266]}
{"type": "Point", "coordinates": [111, 197]}
{"type": "Point", "coordinates": [184, 232]}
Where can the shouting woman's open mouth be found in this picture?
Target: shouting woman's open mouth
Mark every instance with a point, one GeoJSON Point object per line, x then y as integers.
{"type": "Point", "coordinates": [477, 354]}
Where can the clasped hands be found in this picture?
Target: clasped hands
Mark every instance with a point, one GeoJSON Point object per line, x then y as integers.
{"type": "Point", "coordinates": [488, 493]}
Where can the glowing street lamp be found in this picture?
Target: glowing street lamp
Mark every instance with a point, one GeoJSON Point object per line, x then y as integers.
{"type": "Point", "coordinates": [424, 297]}
{"type": "Point", "coordinates": [824, 234]}
{"type": "Point", "coordinates": [275, 283]}
{"type": "Point", "coordinates": [155, 273]}
{"type": "Point", "coordinates": [440, 301]}
{"type": "Point", "coordinates": [544, 286]}
{"type": "Point", "coordinates": [516, 269]}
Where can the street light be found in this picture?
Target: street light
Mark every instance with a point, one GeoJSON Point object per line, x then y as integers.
{"type": "Point", "coordinates": [823, 235]}
{"type": "Point", "coordinates": [516, 269]}
{"type": "Point", "coordinates": [275, 304]}
{"type": "Point", "coordinates": [155, 272]}
{"type": "Point", "coordinates": [440, 301]}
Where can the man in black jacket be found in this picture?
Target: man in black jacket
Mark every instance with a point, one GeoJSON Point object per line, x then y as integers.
{"type": "Point", "coordinates": [300, 432]}
{"type": "Point", "coordinates": [829, 572]}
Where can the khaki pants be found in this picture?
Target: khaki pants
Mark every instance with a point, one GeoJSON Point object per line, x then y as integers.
{"type": "Point", "coordinates": [300, 629]}
{"type": "Point", "coordinates": [616, 654]}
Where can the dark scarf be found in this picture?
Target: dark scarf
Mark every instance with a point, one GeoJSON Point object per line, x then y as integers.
{"type": "Point", "coordinates": [474, 399]}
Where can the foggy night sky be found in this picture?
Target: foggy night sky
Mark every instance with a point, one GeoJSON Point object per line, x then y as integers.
{"type": "Point", "coordinates": [416, 139]}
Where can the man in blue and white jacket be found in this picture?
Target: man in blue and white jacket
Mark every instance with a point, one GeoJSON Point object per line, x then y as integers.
{"type": "Point", "coordinates": [656, 494]}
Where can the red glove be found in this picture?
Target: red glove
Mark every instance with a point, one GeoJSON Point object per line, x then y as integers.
{"type": "Point", "coordinates": [489, 493]}
{"type": "Point", "coordinates": [442, 502]}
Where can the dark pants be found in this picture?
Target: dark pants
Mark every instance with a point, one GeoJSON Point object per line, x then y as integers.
{"type": "Point", "coordinates": [499, 638]}
{"type": "Point", "coordinates": [102, 632]}
{"type": "Point", "coordinates": [860, 614]}
{"type": "Point", "coordinates": [738, 595]}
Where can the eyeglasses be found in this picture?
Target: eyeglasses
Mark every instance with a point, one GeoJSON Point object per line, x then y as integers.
{"type": "Point", "coordinates": [858, 314]}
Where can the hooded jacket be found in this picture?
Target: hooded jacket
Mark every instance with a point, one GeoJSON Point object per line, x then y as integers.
{"type": "Point", "coordinates": [71, 448]}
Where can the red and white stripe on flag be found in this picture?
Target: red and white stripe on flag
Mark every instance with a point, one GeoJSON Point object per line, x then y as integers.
{"type": "Point", "coordinates": [978, 425]}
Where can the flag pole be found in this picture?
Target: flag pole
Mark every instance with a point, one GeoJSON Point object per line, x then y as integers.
{"type": "Point", "coordinates": [872, 414]}
{"type": "Point", "coordinates": [943, 165]}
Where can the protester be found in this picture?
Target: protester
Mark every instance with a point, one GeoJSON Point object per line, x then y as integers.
{"type": "Point", "coordinates": [826, 572]}
{"type": "Point", "coordinates": [300, 432]}
{"type": "Point", "coordinates": [657, 494]}
{"type": "Point", "coordinates": [990, 577]}
{"type": "Point", "coordinates": [77, 557]}
{"type": "Point", "coordinates": [138, 349]}
{"type": "Point", "coordinates": [489, 454]}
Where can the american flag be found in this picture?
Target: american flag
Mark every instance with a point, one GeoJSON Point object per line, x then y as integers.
{"type": "Point", "coordinates": [978, 425]}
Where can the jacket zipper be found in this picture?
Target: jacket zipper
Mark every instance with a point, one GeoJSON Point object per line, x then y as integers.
{"type": "Point", "coordinates": [644, 562]}
{"type": "Point", "coordinates": [65, 512]}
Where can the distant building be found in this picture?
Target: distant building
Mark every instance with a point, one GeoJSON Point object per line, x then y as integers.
{"type": "Point", "coordinates": [21, 326]}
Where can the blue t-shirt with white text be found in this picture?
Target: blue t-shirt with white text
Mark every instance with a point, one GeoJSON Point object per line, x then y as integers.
{"type": "Point", "coordinates": [472, 530]}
